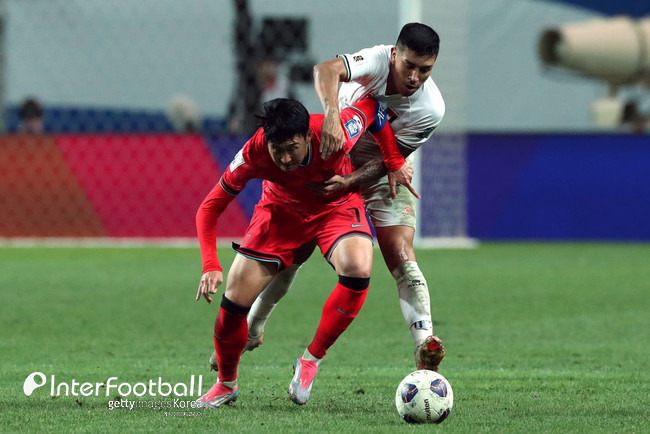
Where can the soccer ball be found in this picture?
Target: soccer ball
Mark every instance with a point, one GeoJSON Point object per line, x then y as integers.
{"type": "Point", "coordinates": [424, 397]}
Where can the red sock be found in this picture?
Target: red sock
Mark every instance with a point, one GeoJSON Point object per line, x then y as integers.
{"type": "Point", "coordinates": [339, 311]}
{"type": "Point", "coordinates": [230, 335]}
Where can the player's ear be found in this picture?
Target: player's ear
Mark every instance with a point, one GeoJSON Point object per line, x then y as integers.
{"type": "Point", "coordinates": [308, 136]}
{"type": "Point", "coordinates": [393, 55]}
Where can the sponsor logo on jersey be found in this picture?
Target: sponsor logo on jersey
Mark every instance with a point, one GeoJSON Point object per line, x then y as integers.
{"type": "Point", "coordinates": [354, 126]}
{"type": "Point", "coordinates": [357, 58]}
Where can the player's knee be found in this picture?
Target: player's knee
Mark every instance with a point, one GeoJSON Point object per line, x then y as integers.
{"type": "Point", "coordinates": [356, 265]}
{"type": "Point", "coordinates": [357, 269]}
{"type": "Point", "coordinates": [353, 263]}
{"type": "Point", "coordinates": [238, 297]}
{"type": "Point", "coordinates": [243, 285]}
{"type": "Point", "coordinates": [353, 257]}
{"type": "Point", "coordinates": [233, 307]}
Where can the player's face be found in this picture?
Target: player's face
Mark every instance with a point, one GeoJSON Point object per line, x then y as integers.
{"type": "Point", "coordinates": [408, 71]}
{"type": "Point", "coordinates": [289, 154]}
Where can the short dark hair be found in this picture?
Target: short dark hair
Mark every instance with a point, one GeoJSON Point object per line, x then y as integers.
{"type": "Point", "coordinates": [419, 38]}
{"type": "Point", "coordinates": [30, 108]}
{"type": "Point", "coordinates": [282, 119]}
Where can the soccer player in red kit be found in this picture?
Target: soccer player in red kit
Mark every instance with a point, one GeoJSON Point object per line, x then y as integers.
{"type": "Point", "coordinates": [291, 212]}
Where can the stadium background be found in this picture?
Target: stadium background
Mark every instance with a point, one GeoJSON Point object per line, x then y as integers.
{"type": "Point", "coordinates": [517, 156]}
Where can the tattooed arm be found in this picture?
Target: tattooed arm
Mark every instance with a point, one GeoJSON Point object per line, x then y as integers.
{"type": "Point", "coordinates": [327, 76]}
{"type": "Point", "coordinates": [372, 170]}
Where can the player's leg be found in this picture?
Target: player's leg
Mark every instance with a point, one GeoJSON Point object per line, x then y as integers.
{"type": "Point", "coordinates": [352, 260]}
{"type": "Point", "coordinates": [265, 304]}
{"type": "Point", "coordinates": [394, 221]}
{"type": "Point", "coordinates": [246, 279]}
{"type": "Point", "coordinates": [276, 289]}
{"type": "Point", "coordinates": [396, 243]}
{"type": "Point", "coordinates": [267, 300]}
{"type": "Point", "coordinates": [350, 253]}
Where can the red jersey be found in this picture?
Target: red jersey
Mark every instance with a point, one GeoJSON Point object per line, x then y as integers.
{"type": "Point", "coordinates": [291, 189]}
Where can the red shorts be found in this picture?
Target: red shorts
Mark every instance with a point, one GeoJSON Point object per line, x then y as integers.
{"type": "Point", "coordinates": [277, 230]}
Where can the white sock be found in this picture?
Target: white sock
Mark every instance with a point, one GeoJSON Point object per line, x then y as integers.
{"type": "Point", "coordinates": [267, 300]}
{"type": "Point", "coordinates": [414, 300]}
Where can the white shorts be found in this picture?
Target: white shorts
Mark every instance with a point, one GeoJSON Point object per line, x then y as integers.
{"type": "Point", "coordinates": [384, 211]}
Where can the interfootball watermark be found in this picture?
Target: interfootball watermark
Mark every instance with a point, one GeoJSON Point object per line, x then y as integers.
{"type": "Point", "coordinates": [177, 396]}
{"type": "Point", "coordinates": [153, 387]}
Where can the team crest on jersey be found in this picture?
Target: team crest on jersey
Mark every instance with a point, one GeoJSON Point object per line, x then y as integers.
{"type": "Point", "coordinates": [237, 161]}
{"type": "Point", "coordinates": [426, 133]}
{"type": "Point", "coordinates": [354, 126]}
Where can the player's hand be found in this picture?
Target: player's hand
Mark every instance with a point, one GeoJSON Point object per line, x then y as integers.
{"type": "Point", "coordinates": [335, 183]}
{"type": "Point", "coordinates": [403, 176]}
{"type": "Point", "coordinates": [209, 283]}
{"type": "Point", "coordinates": [332, 136]}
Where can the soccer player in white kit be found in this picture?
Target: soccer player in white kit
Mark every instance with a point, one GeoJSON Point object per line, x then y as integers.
{"type": "Point", "coordinates": [399, 77]}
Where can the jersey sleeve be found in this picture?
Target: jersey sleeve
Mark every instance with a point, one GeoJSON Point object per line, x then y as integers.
{"type": "Point", "coordinates": [242, 168]}
{"type": "Point", "coordinates": [367, 65]}
{"type": "Point", "coordinates": [233, 181]}
{"type": "Point", "coordinates": [206, 225]}
{"type": "Point", "coordinates": [370, 115]}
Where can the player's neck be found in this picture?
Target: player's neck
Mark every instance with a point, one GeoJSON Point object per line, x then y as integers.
{"type": "Point", "coordinates": [390, 88]}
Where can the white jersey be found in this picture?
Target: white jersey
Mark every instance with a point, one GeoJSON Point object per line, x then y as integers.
{"type": "Point", "coordinates": [413, 118]}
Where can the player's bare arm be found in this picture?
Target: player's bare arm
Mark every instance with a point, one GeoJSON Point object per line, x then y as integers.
{"type": "Point", "coordinates": [210, 281]}
{"type": "Point", "coordinates": [327, 76]}
{"type": "Point", "coordinates": [371, 171]}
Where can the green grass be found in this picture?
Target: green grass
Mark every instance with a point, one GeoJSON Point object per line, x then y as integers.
{"type": "Point", "coordinates": [539, 338]}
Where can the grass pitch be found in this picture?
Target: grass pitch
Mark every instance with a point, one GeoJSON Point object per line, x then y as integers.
{"type": "Point", "coordinates": [539, 338]}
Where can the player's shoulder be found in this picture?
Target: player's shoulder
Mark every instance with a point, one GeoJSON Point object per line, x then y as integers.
{"type": "Point", "coordinates": [369, 53]}
{"type": "Point", "coordinates": [367, 61]}
{"type": "Point", "coordinates": [316, 126]}
{"type": "Point", "coordinates": [316, 122]}
{"type": "Point", "coordinates": [431, 91]}
{"type": "Point", "coordinates": [255, 146]}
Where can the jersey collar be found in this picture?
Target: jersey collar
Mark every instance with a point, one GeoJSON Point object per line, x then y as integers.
{"type": "Point", "coordinates": [308, 158]}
